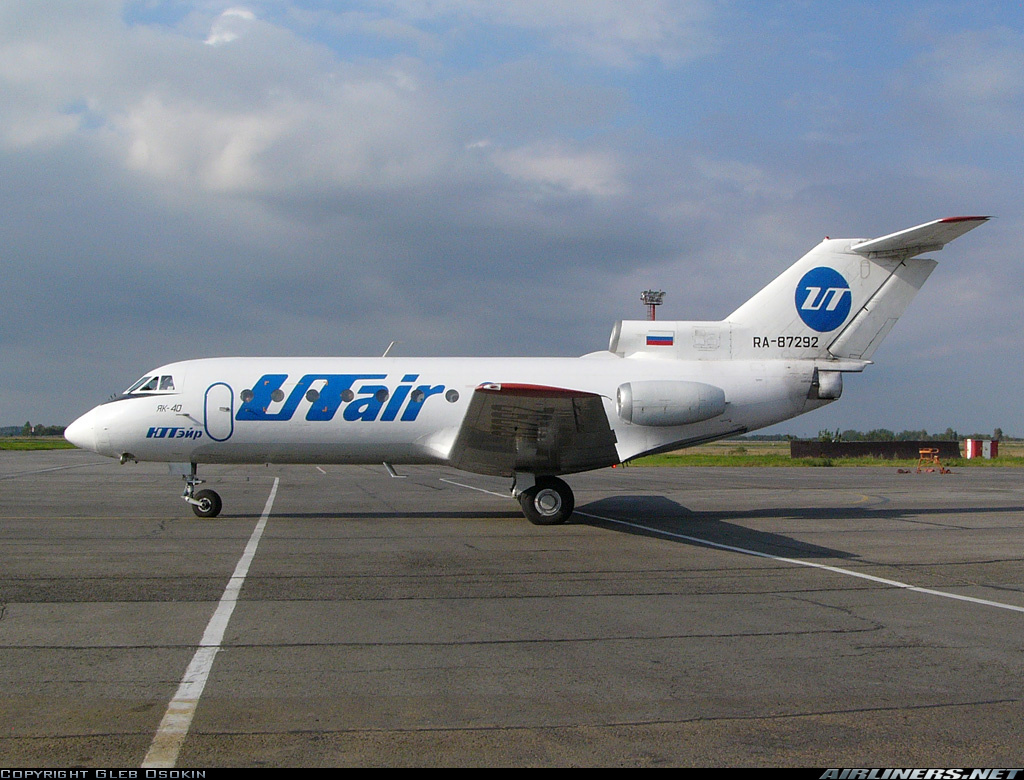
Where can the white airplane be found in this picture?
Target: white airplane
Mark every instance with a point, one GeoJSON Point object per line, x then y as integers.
{"type": "Point", "coordinates": [660, 386]}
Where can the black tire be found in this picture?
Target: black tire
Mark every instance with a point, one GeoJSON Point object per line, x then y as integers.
{"type": "Point", "coordinates": [549, 502]}
{"type": "Point", "coordinates": [209, 504]}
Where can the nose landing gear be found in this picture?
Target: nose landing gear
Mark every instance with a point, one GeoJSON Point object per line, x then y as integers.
{"type": "Point", "coordinates": [205, 503]}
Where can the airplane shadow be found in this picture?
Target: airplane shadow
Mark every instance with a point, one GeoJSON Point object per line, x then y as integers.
{"type": "Point", "coordinates": [660, 517]}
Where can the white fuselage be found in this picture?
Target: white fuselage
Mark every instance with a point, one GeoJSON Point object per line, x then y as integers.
{"type": "Point", "coordinates": [661, 385]}
{"type": "Point", "coordinates": [405, 410]}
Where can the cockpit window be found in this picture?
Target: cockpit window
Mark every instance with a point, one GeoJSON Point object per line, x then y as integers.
{"type": "Point", "coordinates": [152, 384]}
{"type": "Point", "coordinates": [137, 385]}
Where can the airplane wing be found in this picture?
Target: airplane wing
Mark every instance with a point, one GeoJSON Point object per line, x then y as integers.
{"type": "Point", "coordinates": [928, 237]}
{"type": "Point", "coordinates": [544, 430]}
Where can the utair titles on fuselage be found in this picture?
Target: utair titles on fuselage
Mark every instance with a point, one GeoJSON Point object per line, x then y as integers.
{"type": "Point", "coordinates": [374, 402]}
{"type": "Point", "coordinates": [660, 385]}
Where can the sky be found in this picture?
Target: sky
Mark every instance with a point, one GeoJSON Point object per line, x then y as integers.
{"type": "Point", "coordinates": [198, 178]}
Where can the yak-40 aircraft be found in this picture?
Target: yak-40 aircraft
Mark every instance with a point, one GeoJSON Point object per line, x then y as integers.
{"type": "Point", "coordinates": [660, 386]}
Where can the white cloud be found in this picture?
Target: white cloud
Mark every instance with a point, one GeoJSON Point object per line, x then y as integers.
{"type": "Point", "coordinates": [46, 62]}
{"type": "Point", "coordinates": [972, 82]}
{"type": "Point", "coordinates": [272, 114]}
{"type": "Point", "coordinates": [609, 31]}
{"type": "Point", "coordinates": [556, 168]}
{"type": "Point", "coordinates": [229, 26]}
{"type": "Point", "coordinates": [196, 145]}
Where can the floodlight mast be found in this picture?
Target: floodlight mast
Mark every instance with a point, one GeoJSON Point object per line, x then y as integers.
{"type": "Point", "coordinates": [652, 299]}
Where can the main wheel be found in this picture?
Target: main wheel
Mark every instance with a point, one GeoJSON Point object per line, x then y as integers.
{"type": "Point", "coordinates": [549, 502]}
{"type": "Point", "coordinates": [209, 504]}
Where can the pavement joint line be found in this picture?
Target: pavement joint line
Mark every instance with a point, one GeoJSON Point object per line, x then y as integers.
{"type": "Point", "coordinates": [17, 474]}
{"type": "Point", "coordinates": [173, 728]}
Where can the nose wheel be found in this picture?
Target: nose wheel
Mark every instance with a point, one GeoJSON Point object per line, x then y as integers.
{"type": "Point", "coordinates": [205, 503]}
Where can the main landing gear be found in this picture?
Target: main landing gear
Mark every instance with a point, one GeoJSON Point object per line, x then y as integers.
{"type": "Point", "coordinates": [205, 503]}
{"type": "Point", "coordinates": [544, 500]}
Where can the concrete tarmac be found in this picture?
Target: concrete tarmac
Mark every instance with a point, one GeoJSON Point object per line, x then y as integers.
{"type": "Point", "coordinates": [821, 617]}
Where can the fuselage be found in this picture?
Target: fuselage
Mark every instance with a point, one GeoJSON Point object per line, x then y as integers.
{"type": "Point", "coordinates": [661, 385]}
{"type": "Point", "coordinates": [403, 410]}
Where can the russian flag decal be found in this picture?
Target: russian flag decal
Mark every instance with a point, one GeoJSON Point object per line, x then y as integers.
{"type": "Point", "coordinates": [660, 339]}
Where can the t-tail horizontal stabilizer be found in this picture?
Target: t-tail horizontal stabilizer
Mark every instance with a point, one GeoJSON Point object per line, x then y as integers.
{"type": "Point", "coordinates": [929, 237]}
{"type": "Point", "coordinates": [844, 296]}
{"type": "Point", "coordinates": [869, 326]}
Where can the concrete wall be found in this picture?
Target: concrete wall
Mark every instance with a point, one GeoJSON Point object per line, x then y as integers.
{"type": "Point", "coordinates": [906, 450]}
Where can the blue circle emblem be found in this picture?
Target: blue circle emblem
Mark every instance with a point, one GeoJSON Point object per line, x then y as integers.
{"type": "Point", "coordinates": [823, 299]}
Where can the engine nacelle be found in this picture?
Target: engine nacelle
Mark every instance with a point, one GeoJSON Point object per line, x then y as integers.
{"type": "Point", "coordinates": [668, 402]}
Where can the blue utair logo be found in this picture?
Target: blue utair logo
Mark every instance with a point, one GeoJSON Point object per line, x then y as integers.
{"type": "Point", "coordinates": [360, 397]}
{"type": "Point", "coordinates": [173, 433]}
{"type": "Point", "coordinates": [823, 299]}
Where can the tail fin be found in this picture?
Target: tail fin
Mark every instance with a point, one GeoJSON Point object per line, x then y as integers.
{"type": "Point", "coordinates": [843, 297]}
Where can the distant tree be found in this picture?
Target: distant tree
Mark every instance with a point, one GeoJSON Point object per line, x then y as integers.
{"type": "Point", "coordinates": [880, 434]}
{"type": "Point", "coordinates": [26, 429]}
{"type": "Point", "coordinates": [921, 435]}
{"type": "Point", "coordinates": [997, 434]}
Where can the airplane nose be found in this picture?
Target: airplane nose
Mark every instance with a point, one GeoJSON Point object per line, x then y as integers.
{"type": "Point", "coordinates": [82, 433]}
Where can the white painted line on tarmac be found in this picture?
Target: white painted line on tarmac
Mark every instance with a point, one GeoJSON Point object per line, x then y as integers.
{"type": "Point", "coordinates": [170, 736]}
{"type": "Point", "coordinates": [810, 564]}
{"type": "Point", "coordinates": [478, 489]}
{"type": "Point", "coordinates": [794, 561]}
